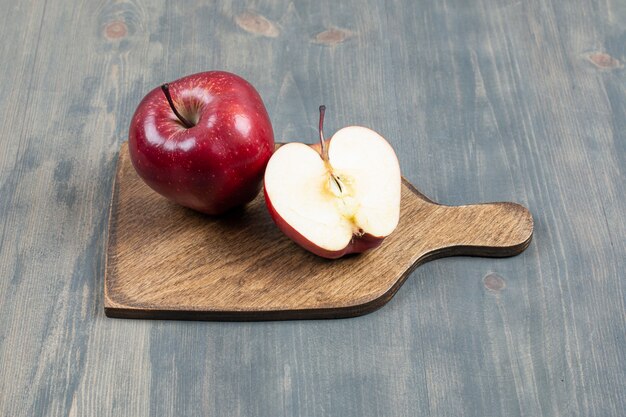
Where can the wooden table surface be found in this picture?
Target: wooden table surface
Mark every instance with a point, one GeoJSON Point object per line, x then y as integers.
{"type": "Point", "coordinates": [488, 100]}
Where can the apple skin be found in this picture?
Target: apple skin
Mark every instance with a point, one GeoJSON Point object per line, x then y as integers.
{"type": "Point", "coordinates": [358, 244]}
{"type": "Point", "coordinates": [218, 163]}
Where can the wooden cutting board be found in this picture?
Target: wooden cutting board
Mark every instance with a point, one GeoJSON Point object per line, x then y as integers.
{"type": "Point", "coordinates": [168, 262]}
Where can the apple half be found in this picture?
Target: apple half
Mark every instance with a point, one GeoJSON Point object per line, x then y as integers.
{"type": "Point", "coordinates": [336, 198]}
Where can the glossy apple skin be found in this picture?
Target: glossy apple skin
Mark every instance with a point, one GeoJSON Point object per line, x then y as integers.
{"type": "Point", "coordinates": [358, 244]}
{"type": "Point", "coordinates": [215, 165]}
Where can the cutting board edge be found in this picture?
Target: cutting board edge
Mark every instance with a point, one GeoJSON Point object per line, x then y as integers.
{"type": "Point", "coordinates": [114, 309]}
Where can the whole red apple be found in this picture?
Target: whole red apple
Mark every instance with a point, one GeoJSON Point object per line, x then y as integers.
{"type": "Point", "coordinates": [202, 141]}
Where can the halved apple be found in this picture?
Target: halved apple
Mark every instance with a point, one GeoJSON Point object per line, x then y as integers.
{"type": "Point", "coordinates": [337, 198]}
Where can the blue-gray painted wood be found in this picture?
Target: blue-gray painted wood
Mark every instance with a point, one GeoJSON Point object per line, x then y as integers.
{"type": "Point", "coordinates": [484, 101]}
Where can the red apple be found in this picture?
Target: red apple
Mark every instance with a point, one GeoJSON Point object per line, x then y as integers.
{"type": "Point", "coordinates": [202, 141]}
{"type": "Point", "coordinates": [339, 198]}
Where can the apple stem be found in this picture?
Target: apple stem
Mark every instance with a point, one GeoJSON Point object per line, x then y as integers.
{"type": "Point", "coordinates": [321, 130]}
{"type": "Point", "coordinates": [166, 90]}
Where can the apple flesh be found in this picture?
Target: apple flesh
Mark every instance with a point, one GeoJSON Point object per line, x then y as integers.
{"type": "Point", "coordinates": [346, 202]}
{"type": "Point", "coordinates": [203, 141]}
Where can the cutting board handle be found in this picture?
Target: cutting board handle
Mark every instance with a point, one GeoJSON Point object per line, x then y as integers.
{"type": "Point", "coordinates": [493, 229]}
